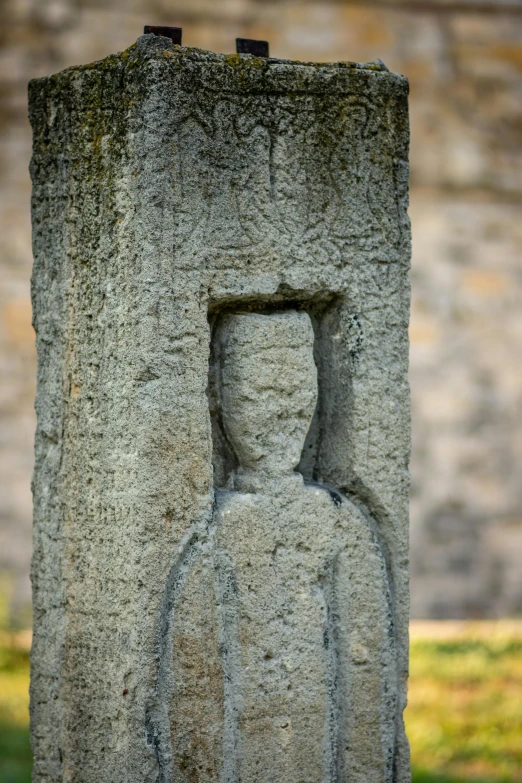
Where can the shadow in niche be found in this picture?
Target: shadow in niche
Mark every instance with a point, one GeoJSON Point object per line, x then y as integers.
{"type": "Point", "coordinates": [323, 311]}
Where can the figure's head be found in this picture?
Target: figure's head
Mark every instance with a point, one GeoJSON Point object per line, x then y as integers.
{"type": "Point", "coordinates": [268, 388]}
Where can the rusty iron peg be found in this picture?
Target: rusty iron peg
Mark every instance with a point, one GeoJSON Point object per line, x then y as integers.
{"type": "Point", "coordinates": [249, 46]}
{"type": "Point", "coordinates": [174, 33]}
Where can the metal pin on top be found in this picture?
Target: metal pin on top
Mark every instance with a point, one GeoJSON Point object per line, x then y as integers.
{"type": "Point", "coordinates": [174, 33]}
{"type": "Point", "coordinates": [250, 46]}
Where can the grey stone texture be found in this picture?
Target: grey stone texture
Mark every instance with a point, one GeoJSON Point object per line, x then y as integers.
{"type": "Point", "coordinates": [221, 255]}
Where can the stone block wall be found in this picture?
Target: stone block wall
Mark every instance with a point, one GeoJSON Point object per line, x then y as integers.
{"type": "Point", "coordinates": [463, 59]}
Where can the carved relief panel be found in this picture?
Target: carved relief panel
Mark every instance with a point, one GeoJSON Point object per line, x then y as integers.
{"type": "Point", "coordinates": [282, 659]}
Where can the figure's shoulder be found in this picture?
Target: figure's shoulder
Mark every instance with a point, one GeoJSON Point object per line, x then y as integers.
{"type": "Point", "coordinates": [310, 495]}
{"type": "Point", "coordinates": [326, 492]}
{"type": "Point", "coordinates": [347, 513]}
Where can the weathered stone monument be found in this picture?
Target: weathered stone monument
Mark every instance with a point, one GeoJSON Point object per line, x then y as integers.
{"type": "Point", "coordinates": [221, 488]}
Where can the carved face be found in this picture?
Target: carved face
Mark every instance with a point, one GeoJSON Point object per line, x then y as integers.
{"type": "Point", "coordinates": [268, 388]}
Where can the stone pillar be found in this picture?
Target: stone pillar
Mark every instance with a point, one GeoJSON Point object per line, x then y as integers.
{"type": "Point", "coordinates": [221, 487]}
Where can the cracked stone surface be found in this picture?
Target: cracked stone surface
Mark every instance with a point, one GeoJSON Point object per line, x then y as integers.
{"type": "Point", "coordinates": [176, 194]}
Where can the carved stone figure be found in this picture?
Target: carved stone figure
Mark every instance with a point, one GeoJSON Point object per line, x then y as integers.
{"type": "Point", "coordinates": [306, 665]}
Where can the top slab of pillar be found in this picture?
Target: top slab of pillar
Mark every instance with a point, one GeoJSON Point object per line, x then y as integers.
{"type": "Point", "coordinates": [173, 186]}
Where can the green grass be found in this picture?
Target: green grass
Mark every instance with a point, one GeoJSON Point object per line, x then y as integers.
{"type": "Point", "coordinates": [15, 752]}
{"type": "Point", "coordinates": [464, 718]}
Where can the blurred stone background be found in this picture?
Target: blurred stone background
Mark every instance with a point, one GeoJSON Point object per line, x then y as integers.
{"type": "Point", "coordinates": [464, 61]}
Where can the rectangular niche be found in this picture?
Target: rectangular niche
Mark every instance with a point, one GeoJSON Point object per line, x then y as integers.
{"type": "Point", "coordinates": [324, 312]}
